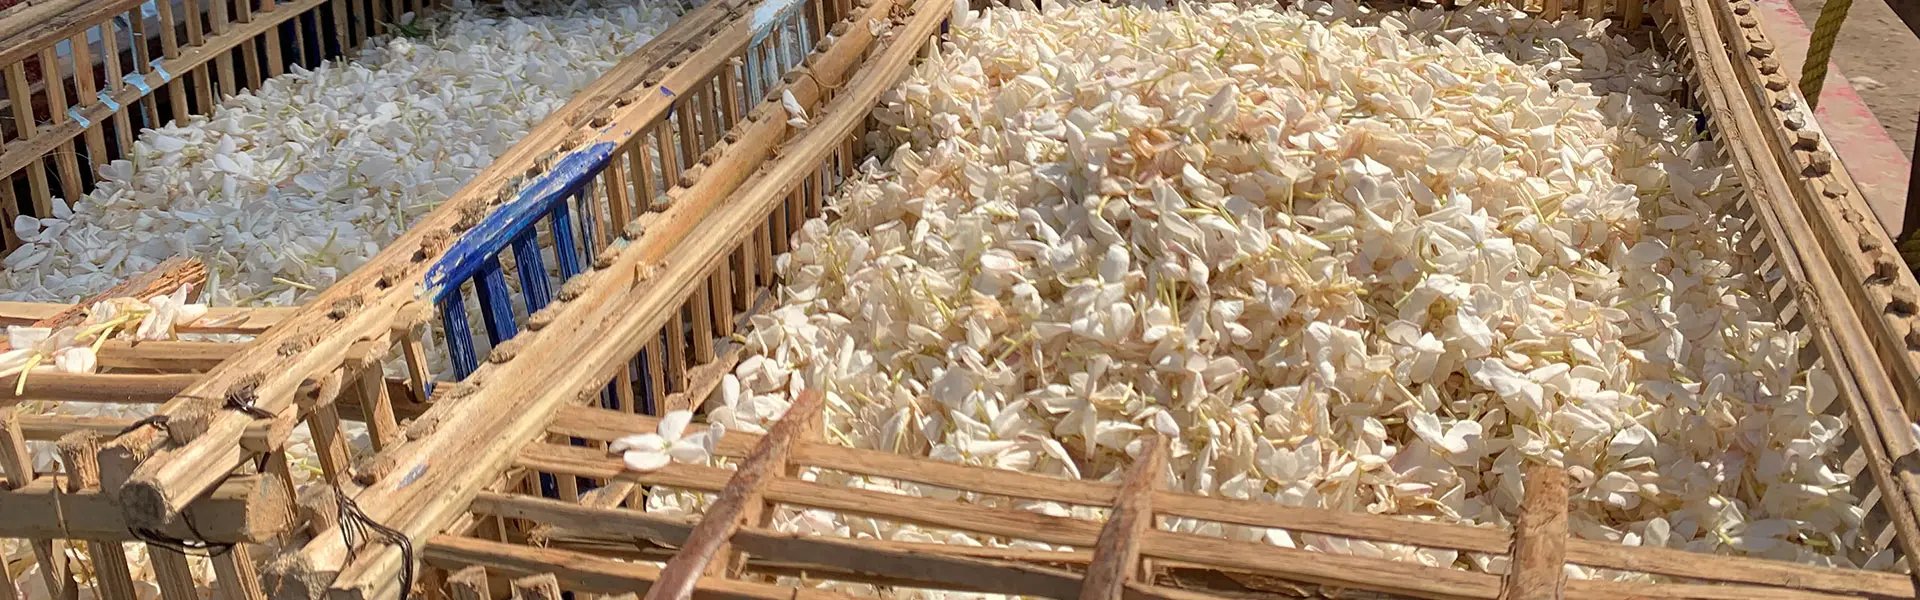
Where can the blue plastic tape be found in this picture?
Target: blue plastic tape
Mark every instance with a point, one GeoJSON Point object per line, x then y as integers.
{"type": "Point", "coordinates": [768, 13]}
{"type": "Point", "coordinates": [161, 70]}
{"type": "Point", "coordinates": [139, 82]}
{"type": "Point", "coordinates": [74, 112]}
{"type": "Point", "coordinates": [107, 99]}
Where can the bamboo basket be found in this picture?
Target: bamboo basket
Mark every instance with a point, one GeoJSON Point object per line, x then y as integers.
{"type": "Point", "coordinates": [510, 487]}
{"type": "Point", "coordinates": [83, 77]}
{"type": "Point", "coordinates": [210, 474]}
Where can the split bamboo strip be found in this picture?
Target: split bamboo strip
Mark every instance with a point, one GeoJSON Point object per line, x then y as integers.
{"type": "Point", "coordinates": [470, 584]}
{"type": "Point", "coordinates": [84, 87]}
{"type": "Point", "coordinates": [25, 125]}
{"type": "Point", "coordinates": [544, 586]}
{"type": "Point", "coordinates": [1539, 570]}
{"type": "Point", "coordinates": [80, 452]}
{"type": "Point", "coordinates": [165, 355]}
{"type": "Point", "coordinates": [66, 162]}
{"type": "Point", "coordinates": [590, 574]}
{"type": "Point", "coordinates": [111, 388]}
{"type": "Point", "coordinates": [1117, 552]}
{"type": "Point", "coordinates": [164, 278]}
{"type": "Point", "coordinates": [47, 428]}
{"type": "Point", "coordinates": [219, 319]}
{"type": "Point", "coordinates": [741, 495]}
{"type": "Point", "coordinates": [371, 392]}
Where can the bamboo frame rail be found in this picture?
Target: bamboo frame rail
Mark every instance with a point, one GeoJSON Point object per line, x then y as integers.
{"type": "Point", "coordinates": [1803, 238]}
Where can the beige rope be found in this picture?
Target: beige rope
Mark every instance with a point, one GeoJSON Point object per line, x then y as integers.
{"type": "Point", "coordinates": [1813, 74]}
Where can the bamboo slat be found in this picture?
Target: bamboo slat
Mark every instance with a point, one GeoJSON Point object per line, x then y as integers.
{"type": "Point", "coordinates": [245, 321]}
{"type": "Point", "coordinates": [1116, 554]}
{"type": "Point", "coordinates": [1539, 570]}
{"type": "Point", "coordinates": [743, 491]}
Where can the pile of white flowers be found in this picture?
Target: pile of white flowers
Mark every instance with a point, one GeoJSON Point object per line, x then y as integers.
{"type": "Point", "coordinates": [284, 189]}
{"type": "Point", "coordinates": [75, 348]}
{"type": "Point", "coordinates": [1345, 259]}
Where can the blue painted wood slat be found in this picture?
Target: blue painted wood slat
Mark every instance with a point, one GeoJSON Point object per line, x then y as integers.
{"type": "Point", "coordinates": [453, 316]}
{"type": "Point", "coordinates": [533, 271]}
{"type": "Point", "coordinates": [495, 301]}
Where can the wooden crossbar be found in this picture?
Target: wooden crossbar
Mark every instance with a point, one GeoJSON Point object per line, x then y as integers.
{"type": "Point", "coordinates": [588, 573]}
{"type": "Point", "coordinates": [219, 319]}
{"type": "Point", "coordinates": [246, 508]}
{"type": "Point", "coordinates": [1116, 555]}
{"type": "Point", "coordinates": [1539, 566]}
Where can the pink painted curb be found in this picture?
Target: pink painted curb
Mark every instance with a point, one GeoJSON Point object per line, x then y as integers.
{"type": "Point", "coordinates": [1865, 150]}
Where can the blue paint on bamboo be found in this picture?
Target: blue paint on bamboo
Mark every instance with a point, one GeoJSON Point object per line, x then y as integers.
{"type": "Point", "coordinates": [498, 229]}
{"type": "Point", "coordinates": [453, 315]}
{"type": "Point", "coordinates": [563, 242]}
{"type": "Point", "coordinates": [496, 303]}
{"type": "Point", "coordinates": [527, 259]}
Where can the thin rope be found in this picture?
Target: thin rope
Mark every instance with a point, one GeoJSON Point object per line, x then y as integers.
{"type": "Point", "coordinates": [1813, 73]}
{"type": "Point", "coordinates": [198, 544]}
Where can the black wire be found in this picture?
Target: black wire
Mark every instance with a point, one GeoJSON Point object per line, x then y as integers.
{"type": "Point", "coordinates": [244, 404]}
{"type": "Point", "coordinates": [190, 547]}
{"type": "Point", "coordinates": [198, 546]}
{"type": "Point", "coordinates": [354, 527]}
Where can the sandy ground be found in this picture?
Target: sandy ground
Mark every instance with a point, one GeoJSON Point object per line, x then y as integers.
{"type": "Point", "coordinates": [1881, 55]}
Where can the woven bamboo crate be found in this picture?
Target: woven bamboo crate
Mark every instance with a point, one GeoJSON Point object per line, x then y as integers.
{"type": "Point", "coordinates": [83, 77]}
{"type": "Point", "coordinates": [511, 481]}
{"type": "Point", "coordinates": [211, 471]}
